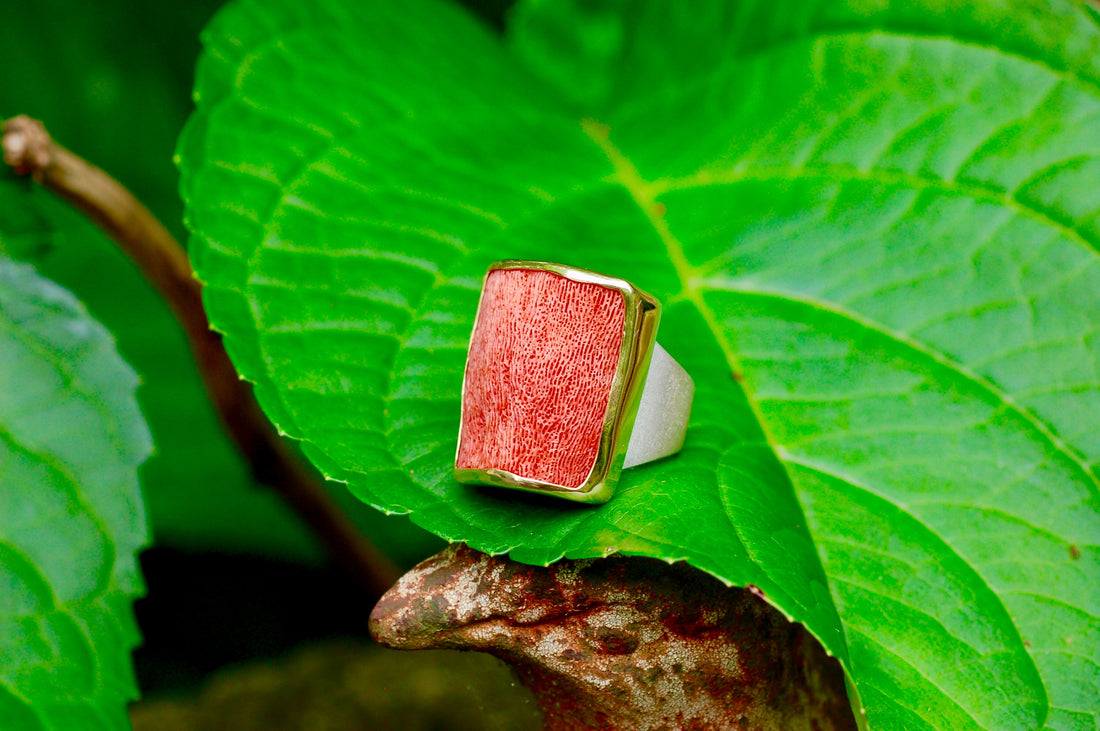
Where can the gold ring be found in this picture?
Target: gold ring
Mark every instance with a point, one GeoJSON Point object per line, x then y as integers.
{"type": "Point", "coordinates": [565, 384]}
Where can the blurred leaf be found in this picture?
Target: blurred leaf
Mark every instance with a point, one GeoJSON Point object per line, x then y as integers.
{"type": "Point", "coordinates": [882, 217]}
{"type": "Point", "coordinates": [112, 81]}
{"type": "Point", "coordinates": [71, 440]}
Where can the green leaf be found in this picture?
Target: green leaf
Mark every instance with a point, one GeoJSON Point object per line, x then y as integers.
{"type": "Point", "coordinates": [880, 217]}
{"type": "Point", "coordinates": [71, 440]}
{"type": "Point", "coordinates": [112, 81]}
{"type": "Point", "coordinates": [198, 493]}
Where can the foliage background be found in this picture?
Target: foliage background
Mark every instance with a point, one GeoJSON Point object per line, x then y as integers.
{"type": "Point", "coordinates": [994, 105]}
{"type": "Point", "coordinates": [113, 81]}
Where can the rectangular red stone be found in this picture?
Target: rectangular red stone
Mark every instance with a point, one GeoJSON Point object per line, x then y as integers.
{"type": "Point", "coordinates": [542, 360]}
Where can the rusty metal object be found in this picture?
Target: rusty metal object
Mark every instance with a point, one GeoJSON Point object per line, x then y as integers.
{"type": "Point", "coordinates": [622, 643]}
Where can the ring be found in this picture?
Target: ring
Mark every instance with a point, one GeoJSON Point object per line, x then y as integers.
{"type": "Point", "coordinates": [565, 385]}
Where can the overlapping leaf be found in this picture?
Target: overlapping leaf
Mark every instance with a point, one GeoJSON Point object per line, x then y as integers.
{"type": "Point", "coordinates": [112, 81]}
{"type": "Point", "coordinates": [109, 86]}
{"type": "Point", "coordinates": [71, 512]}
{"type": "Point", "coordinates": [879, 217]}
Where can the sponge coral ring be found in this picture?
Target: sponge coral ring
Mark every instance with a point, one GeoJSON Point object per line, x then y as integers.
{"type": "Point", "coordinates": [565, 384]}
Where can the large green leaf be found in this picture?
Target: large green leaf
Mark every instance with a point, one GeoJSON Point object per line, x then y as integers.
{"type": "Point", "coordinates": [71, 512]}
{"type": "Point", "coordinates": [880, 217]}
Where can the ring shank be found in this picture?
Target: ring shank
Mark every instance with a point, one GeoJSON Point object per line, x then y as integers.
{"type": "Point", "coordinates": [663, 411]}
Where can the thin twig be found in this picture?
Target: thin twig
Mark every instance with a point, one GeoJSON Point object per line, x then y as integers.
{"type": "Point", "coordinates": [29, 150]}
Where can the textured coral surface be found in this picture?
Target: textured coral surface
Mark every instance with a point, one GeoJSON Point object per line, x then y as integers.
{"type": "Point", "coordinates": [542, 359]}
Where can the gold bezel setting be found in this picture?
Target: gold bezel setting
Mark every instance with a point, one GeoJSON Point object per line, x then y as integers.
{"type": "Point", "coordinates": [642, 315]}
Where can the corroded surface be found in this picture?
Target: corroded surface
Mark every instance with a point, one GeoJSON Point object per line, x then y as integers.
{"type": "Point", "coordinates": [622, 643]}
{"type": "Point", "coordinates": [538, 375]}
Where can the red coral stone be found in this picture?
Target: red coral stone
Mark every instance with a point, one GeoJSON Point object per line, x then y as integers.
{"type": "Point", "coordinates": [538, 375]}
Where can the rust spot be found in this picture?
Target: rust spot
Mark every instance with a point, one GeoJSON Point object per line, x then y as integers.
{"type": "Point", "coordinates": [438, 612]}
{"type": "Point", "coordinates": [659, 209]}
{"type": "Point", "coordinates": [739, 376]}
{"type": "Point", "coordinates": [1074, 552]}
{"type": "Point", "coordinates": [616, 642]}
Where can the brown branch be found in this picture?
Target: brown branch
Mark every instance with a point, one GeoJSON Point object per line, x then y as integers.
{"type": "Point", "coordinates": [28, 149]}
